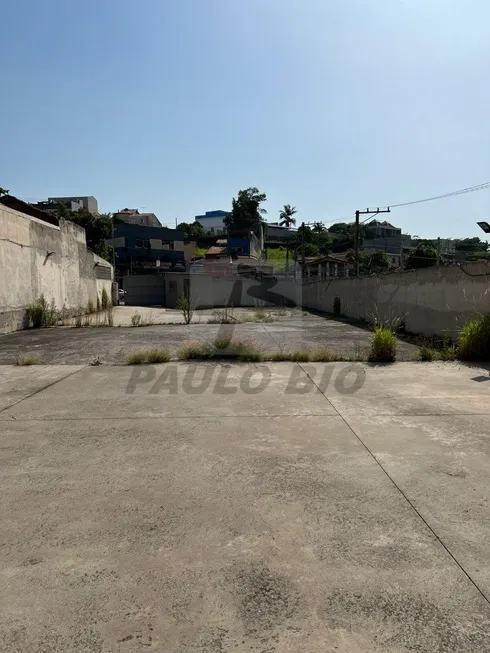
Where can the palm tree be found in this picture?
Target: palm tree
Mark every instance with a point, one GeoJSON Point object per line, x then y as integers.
{"type": "Point", "coordinates": [318, 227]}
{"type": "Point", "coordinates": [286, 216]}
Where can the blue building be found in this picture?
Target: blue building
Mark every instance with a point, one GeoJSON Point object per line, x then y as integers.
{"type": "Point", "coordinates": [244, 243]}
{"type": "Point", "coordinates": [139, 248]}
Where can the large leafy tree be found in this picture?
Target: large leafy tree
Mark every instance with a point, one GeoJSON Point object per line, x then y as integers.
{"type": "Point", "coordinates": [342, 228]}
{"type": "Point", "coordinates": [286, 216]}
{"type": "Point", "coordinates": [98, 229]}
{"type": "Point", "coordinates": [191, 230]}
{"type": "Point", "coordinates": [425, 256]}
{"type": "Point", "coordinates": [316, 243]}
{"type": "Point", "coordinates": [246, 210]}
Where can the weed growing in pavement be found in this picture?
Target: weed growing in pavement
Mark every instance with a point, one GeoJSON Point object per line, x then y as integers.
{"type": "Point", "coordinates": [383, 345]}
{"type": "Point", "coordinates": [27, 359]}
{"type": "Point", "coordinates": [187, 307]}
{"type": "Point", "coordinates": [149, 356]}
{"type": "Point", "coordinates": [41, 314]}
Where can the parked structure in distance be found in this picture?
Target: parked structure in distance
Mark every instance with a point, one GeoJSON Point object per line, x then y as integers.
{"type": "Point", "coordinates": [147, 250]}
{"type": "Point", "coordinates": [133, 216]}
{"type": "Point", "coordinates": [276, 232]}
{"type": "Point", "coordinates": [73, 203]}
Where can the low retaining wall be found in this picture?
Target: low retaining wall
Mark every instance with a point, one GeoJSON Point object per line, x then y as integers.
{"type": "Point", "coordinates": [431, 301]}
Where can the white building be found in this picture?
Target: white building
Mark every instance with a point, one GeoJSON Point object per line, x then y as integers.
{"type": "Point", "coordinates": [213, 221]}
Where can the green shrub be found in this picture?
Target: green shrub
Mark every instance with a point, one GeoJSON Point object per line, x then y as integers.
{"type": "Point", "coordinates": [383, 345]}
{"type": "Point", "coordinates": [426, 353]}
{"type": "Point", "coordinates": [448, 353]}
{"type": "Point", "coordinates": [98, 306]}
{"type": "Point", "coordinates": [474, 340]}
{"type": "Point", "coordinates": [41, 314]}
{"type": "Point", "coordinates": [90, 307]}
{"type": "Point", "coordinates": [336, 306]}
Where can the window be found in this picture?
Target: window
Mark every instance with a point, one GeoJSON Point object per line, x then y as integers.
{"type": "Point", "coordinates": [142, 243]}
{"type": "Point", "coordinates": [168, 244]}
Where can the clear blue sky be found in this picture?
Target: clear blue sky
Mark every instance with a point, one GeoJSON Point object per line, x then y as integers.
{"type": "Point", "coordinates": [174, 105]}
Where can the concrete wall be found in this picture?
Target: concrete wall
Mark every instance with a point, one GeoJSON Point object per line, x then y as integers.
{"type": "Point", "coordinates": [40, 258]}
{"type": "Point", "coordinates": [207, 291]}
{"type": "Point", "coordinates": [432, 301]}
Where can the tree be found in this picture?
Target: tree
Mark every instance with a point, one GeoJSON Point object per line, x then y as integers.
{"type": "Point", "coordinates": [315, 243]}
{"type": "Point", "coordinates": [425, 256]}
{"type": "Point", "coordinates": [286, 216]}
{"type": "Point", "coordinates": [318, 227]}
{"type": "Point", "coordinates": [342, 228]}
{"type": "Point", "coordinates": [374, 262]}
{"type": "Point", "coordinates": [246, 211]}
{"type": "Point", "coordinates": [471, 245]}
{"type": "Point", "coordinates": [3, 191]}
{"type": "Point", "coordinates": [192, 230]}
{"type": "Point", "coordinates": [98, 229]}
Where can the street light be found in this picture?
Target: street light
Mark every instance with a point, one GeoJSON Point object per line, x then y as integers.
{"type": "Point", "coordinates": [485, 226]}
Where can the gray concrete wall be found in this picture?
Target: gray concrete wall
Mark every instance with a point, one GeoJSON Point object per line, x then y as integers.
{"type": "Point", "coordinates": [432, 301]}
{"type": "Point", "coordinates": [208, 292]}
{"type": "Point", "coordinates": [40, 258]}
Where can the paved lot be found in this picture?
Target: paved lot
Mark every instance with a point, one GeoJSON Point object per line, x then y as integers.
{"type": "Point", "coordinates": [284, 508]}
{"type": "Point", "coordinates": [69, 345]}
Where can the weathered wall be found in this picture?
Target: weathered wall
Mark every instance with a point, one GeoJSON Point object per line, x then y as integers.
{"type": "Point", "coordinates": [431, 300]}
{"type": "Point", "coordinates": [208, 292]}
{"type": "Point", "coordinates": [40, 258]}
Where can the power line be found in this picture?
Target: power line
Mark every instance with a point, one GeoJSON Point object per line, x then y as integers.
{"type": "Point", "coordinates": [462, 191]}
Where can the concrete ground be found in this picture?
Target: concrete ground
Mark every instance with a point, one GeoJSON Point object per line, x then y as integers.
{"type": "Point", "coordinates": [111, 345]}
{"type": "Point", "coordinates": [333, 508]}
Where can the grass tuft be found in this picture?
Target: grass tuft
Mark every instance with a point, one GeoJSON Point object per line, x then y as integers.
{"type": "Point", "coordinates": [449, 353]}
{"type": "Point", "coordinates": [383, 345]}
{"type": "Point", "coordinates": [148, 356]}
{"type": "Point", "coordinates": [27, 359]}
{"type": "Point", "coordinates": [158, 355]}
{"type": "Point", "coordinates": [426, 353]}
{"type": "Point", "coordinates": [220, 348]}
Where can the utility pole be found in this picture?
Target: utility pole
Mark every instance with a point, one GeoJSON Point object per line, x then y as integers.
{"type": "Point", "coordinates": [302, 250]}
{"type": "Point", "coordinates": [357, 231]}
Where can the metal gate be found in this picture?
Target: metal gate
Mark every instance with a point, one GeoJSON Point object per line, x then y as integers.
{"type": "Point", "coordinates": [144, 290]}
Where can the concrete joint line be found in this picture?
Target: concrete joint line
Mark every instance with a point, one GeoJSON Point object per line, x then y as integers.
{"type": "Point", "coordinates": [412, 506]}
